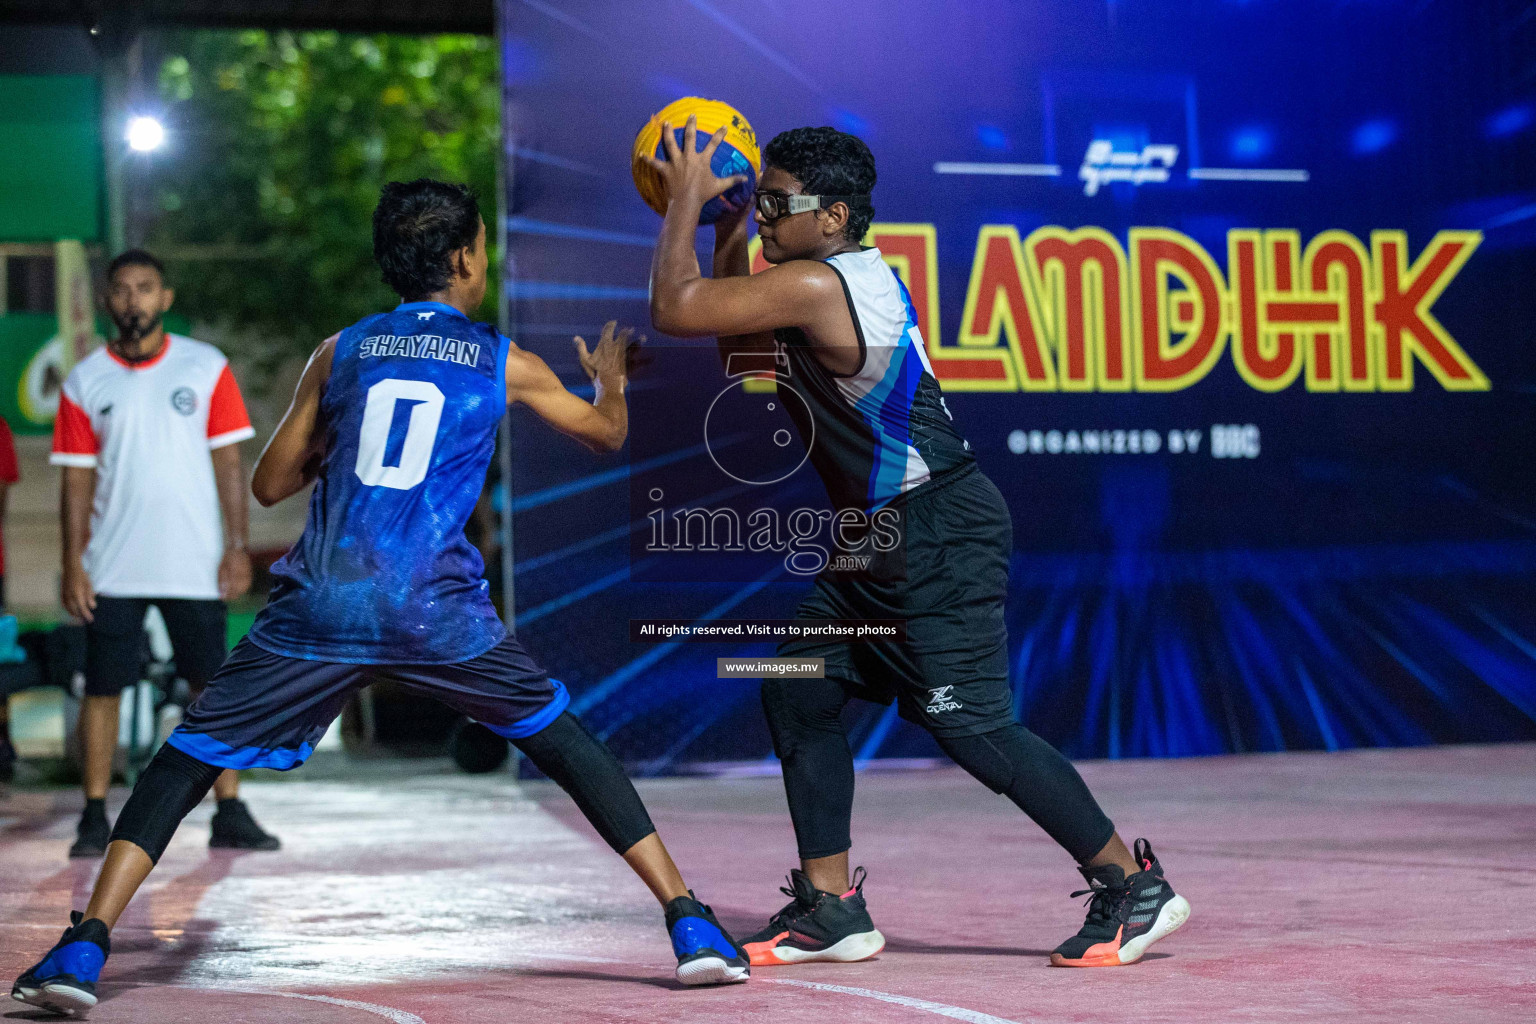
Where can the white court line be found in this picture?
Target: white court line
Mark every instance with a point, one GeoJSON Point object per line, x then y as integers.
{"type": "Point", "coordinates": [911, 1002]}
{"type": "Point", "coordinates": [942, 1009]}
{"type": "Point", "coordinates": [1025, 170]}
{"type": "Point", "coordinates": [1248, 174]}
{"type": "Point", "coordinates": [406, 1017]}
{"type": "Point", "coordinates": [387, 1012]}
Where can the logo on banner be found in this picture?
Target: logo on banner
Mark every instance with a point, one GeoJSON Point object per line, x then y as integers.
{"type": "Point", "coordinates": [1082, 309]}
{"type": "Point", "coordinates": [1104, 165]}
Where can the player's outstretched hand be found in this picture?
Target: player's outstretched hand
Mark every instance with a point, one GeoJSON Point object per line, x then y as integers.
{"type": "Point", "coordinates": [686, 173]}
{"type": "Point", "coordinates": [616, 355]}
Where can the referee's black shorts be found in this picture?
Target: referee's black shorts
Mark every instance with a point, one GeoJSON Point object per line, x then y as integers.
{"type": "Point", "coordinates": [114, 641]}
{"type": "Point", "coordinates": [950, 675]}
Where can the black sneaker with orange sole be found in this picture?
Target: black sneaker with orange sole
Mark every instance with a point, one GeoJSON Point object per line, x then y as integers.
{"type": "Point", "coordinates": [1125, 915]}
{"type": "Point", "coordinates": [817, 926]}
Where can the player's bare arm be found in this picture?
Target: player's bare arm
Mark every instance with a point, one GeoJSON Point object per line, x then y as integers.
{"type": "Point", "coordinates": [291, 459]}
{"type": "Point", "coordinates": [799, 293]}
{"type": "Point", "coordinates": [601, 424]}
{"type": "Point", "coordinates": [733, 259]}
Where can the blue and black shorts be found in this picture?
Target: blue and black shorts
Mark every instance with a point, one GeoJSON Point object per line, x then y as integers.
{"type": "Point", "coordinates": [265, 710]}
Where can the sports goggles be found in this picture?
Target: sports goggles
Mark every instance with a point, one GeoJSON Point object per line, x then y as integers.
{"type": "Point", "coordinates": [773, 205]}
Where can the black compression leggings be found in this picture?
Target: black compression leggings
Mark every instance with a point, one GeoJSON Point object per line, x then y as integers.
{"type": "Point", "coordinates": [585, 768]}
{"type": "Point", "coordinates": [804, 716]}
{"type": "Point", "coordinates": [564, 750]}
{"type": "Point", "coordinates": [172, 784]}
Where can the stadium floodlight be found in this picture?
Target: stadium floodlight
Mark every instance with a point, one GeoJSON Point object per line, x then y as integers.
{"type": "Point", "coordinates": [145, 134]}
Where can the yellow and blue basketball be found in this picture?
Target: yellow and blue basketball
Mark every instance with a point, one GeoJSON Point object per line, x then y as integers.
{"type": "Point", "coordinates": [738, 153]}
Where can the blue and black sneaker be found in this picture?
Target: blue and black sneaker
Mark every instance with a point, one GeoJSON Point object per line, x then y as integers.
{"type": "Point", "coordinates": [64, 981]}
{"type": "Point", "coordinates": [706, 954]}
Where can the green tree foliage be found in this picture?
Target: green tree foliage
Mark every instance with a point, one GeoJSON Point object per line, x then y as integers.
{"type": "Point", "coordinates": [281, 143]}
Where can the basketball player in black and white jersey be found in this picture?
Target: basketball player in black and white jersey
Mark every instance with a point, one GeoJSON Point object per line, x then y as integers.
{"type": "Point", "coordinates": [844, 335]}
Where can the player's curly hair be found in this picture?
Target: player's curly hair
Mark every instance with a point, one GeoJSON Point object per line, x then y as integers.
{"type": "Point", "coordinates": [829, 162]}
{"type": "Point", "coordinates": [416, 225]}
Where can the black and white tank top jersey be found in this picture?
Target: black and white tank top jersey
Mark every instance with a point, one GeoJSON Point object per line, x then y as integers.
{"type": "Point", "coordinates": [884, 429]}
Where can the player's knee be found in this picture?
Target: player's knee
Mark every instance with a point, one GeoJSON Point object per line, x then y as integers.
{"type": "Point", "coordinates": [796, 712]}
{"type": "Point", "coordinates": [561, 739]}
{"type": "Point", "coordinates": [983, 757]}
{"type": "Point", "coordinates": [171, 785]}
{"type": "Point", "coordinates": [583, 765]}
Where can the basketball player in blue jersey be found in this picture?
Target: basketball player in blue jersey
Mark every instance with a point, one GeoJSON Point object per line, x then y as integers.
{"type": "Point", "coordinates": [395, 422]}
{"type": "Point", "coordinates": [843, 334]}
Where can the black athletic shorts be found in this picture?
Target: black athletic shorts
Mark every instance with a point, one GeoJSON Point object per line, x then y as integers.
{"type": "Point", "coordinates": [265, 710]}
{"type": "Point", "coordinates": [115, 648]}
{"type": "Point", "coordinates": [950, 675]}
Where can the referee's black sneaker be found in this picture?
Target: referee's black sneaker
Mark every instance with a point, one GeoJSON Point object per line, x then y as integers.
{"type": "Point", "coordinates": [817, 926]}
{"type": "Point", "coordinates": [94, 831]}
{"type": "Point", "coordinates": [1125, 915]}
{"type": "Point", "coordinates": [235, 829]}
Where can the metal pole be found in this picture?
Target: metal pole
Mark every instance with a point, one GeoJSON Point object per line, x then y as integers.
{"type": "Point", "coordinates": [505, 322]}
{"type": "Point", "coordinates": [134, 173]}
{"type": "Point", "coordinates": [117, 36]}
{"type": "Point", "coordinates": [114, 108]}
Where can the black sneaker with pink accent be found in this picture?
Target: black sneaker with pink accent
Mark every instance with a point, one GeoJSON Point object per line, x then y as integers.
{"type": "Point", "coordinates": [1125, 915]}
{"type": "Point", "coordinates": [817, 926]}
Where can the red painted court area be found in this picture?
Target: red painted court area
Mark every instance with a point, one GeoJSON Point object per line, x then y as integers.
{"type": "Point", "coordinates": [1384, 886]}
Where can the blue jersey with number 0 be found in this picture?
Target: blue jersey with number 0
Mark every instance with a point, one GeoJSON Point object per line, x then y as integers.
{"type": "Point", "coordinates": [383, 573]}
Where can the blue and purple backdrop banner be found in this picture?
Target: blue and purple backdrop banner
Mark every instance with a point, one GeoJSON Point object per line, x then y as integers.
{"type": "Point", "coordinates": [1233, 298]}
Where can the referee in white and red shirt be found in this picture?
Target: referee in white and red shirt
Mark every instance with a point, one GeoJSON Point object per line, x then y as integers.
{"type": "Point", "coordinates": [148, 434]}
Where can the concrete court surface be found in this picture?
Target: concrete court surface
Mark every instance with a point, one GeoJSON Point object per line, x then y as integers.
{"type": "Point", "coordinates": [1375, 886]}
